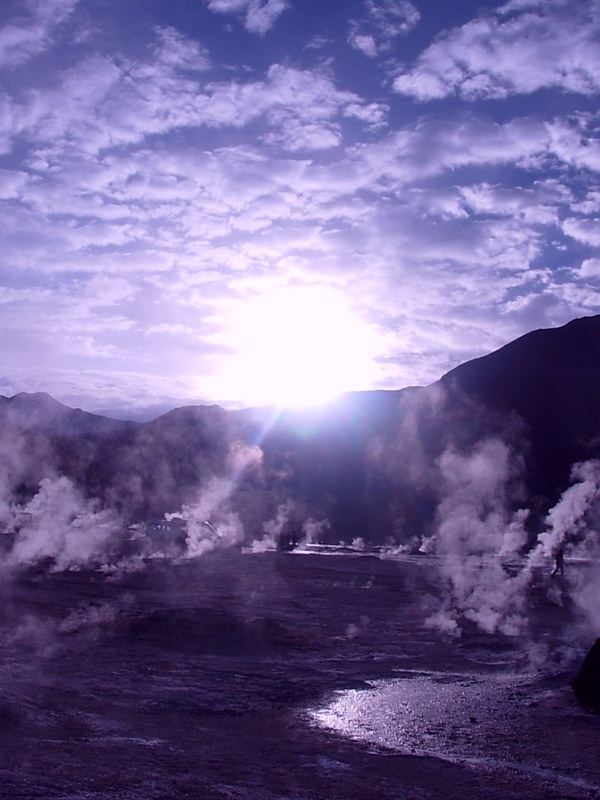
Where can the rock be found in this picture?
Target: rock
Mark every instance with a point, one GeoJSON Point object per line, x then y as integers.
{"type": "Point", "coordinates": [586, 683]}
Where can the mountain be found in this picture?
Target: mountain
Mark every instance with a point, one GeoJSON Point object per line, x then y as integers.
{"type": "Point", "coordinates": [39, 412]}
{"type": "Point", "coordinates": [367, 463]}
{"type": "Point", "coordinates": [551, 380]}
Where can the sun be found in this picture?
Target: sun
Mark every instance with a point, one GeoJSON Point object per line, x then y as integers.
{"type": "Point", "coordinates": [298, 347]}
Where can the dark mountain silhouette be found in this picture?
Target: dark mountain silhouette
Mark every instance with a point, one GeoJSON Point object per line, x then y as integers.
{"type": "Point", "coordinates": [551, 380]}
{"type": "Point", "coordinates": [366, 462]}
{"type": "Point", "coordinates": [39, 412]}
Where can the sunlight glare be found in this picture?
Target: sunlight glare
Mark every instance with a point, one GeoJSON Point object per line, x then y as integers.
{"type": "Point", "coordinates": [298, 347]}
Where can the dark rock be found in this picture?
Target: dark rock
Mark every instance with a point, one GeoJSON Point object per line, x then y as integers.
{"type": "Point", "coordinates": [586, 684]}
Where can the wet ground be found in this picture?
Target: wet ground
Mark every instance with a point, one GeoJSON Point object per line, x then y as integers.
{"type": "Point", "coordinates": [279, 675]}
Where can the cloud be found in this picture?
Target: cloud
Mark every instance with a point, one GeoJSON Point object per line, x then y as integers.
{"type": "Point", "coordinates": [105, 102]}
{"type": "Point", "coordinates": [383, 21]}
{"type": "Point", "coordinates": [147, 189]}
{"type": "Point", "coordinates": [392, 17]}
{"type": "Point", "coordinates": [516, 50]}
{"type": "Point", "coordinates": [436, 145]}
{"type": "Point", "coordinates": [289, 97]}
{"type": "Point", "coordinates": [584, 230]}
{"type": "Point", "coordinates": [12, 183]}
{"type": "Point", "coordinates": [316, 216]}
{"type": "Point", "coordinates": [404, 217]}
{"type": "Point", "coordinates": [175, 50]}
{"type": "Point", "coordinates": [363, 42]}
{"type": "Point", "coordinates": [575, 140]}
{"type": "Point", "coordinates": [590, 268]}
{"type": "Point", "coordinates": [33, 31]}
{"type": "Point", "coordinates": [169, 328]}
{"type": "Point", "coordinates": [259, 15]}
{"type": "Point", "coordinates": [114, 389]}
{"type": "Point", "coordinates": [297, 135]}
{"type": "Point", "coordinates": [57, 323]}
{"type": "Point", "coordinates": [102, 104]}
{"type": "Point", "coordinates": [536, 205]}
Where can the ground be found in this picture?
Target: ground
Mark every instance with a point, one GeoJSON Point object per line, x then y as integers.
{"type": "Point", "coordinates": [279, 675]}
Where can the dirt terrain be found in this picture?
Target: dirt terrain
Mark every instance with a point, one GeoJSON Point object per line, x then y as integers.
{"type": "Point", "coordinates": [280, 675]}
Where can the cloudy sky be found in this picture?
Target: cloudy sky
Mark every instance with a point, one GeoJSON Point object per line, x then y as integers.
{"type": "Point", "coordinates": [245, 201]}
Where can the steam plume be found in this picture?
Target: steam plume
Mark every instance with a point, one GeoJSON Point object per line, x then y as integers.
{"type": "Point", "coordinates": [58, 523]}
{"type": "Point", "coordinates": [211, 522]}
{"type": "Point", "coordinates": [473, 528]}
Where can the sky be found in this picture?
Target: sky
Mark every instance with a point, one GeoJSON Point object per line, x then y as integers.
{"type": "Point", "coordinates": [271, 201]}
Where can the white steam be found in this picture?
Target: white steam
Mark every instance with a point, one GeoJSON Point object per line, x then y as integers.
{"type": "Point", "coordinates": [573, 525]}
{"type": "Point", "coordinates": [288, 520]}
{"type": "Point", "coordinates": [473, 529]}
{"type": "Point", "coordinates": [569, 520]}
{"type": "Point", "coordinates": [58, 523]}
{"type": "Point", "coordinates": [211, 522]}
{"type": "Point", "coordinates": [93, 617]}
{"type": "Point", "coordinates": [482, 546]}
{"type": "Point", "coordinates": [313, 530]}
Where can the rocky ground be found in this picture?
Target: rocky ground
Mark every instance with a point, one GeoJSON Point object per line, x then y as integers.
{"type": "Point", "coordinates": [279, 675]}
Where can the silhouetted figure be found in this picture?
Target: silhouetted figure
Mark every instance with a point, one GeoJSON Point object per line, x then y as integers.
{"type": "Point", "coordinates": [559, 565]}
{"type": "Point", "coordinates": [287, 542]}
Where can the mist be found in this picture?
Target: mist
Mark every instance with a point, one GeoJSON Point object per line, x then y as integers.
{"type": "Point", "coordinates": [489, 564]}
{"type": "Point", "coordinates": [256, 590]}
{"type": "Point", "coordinates": [59, 524]}
{"type": "Point", "coordinates": [474, 532]}
{"type": "Point", "coordinates": [440, 477]}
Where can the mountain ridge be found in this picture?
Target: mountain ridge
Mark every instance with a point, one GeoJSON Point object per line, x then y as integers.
{"type": "Point", "coordinates": [368, 463]}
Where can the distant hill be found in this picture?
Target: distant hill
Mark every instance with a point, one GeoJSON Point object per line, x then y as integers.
{"type": "Point", "coordinates": [39, 412]}
{"type": "Point", "coordinates": [365, 463]}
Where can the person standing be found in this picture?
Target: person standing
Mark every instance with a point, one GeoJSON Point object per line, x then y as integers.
{"type": "Point", "coordinates": [559, 559]}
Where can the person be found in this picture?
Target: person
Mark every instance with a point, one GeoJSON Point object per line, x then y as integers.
{"type": "Point", "coordinates": [559, 559]}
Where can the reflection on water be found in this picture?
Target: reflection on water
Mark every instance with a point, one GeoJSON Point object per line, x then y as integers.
{"type": "Point", "coordinates": [425, 714]}
{"type": "Point", "coordinates": [463, 718]}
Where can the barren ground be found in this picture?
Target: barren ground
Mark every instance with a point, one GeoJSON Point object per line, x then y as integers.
{"type": "Point", "coordinates": [279, 675]}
